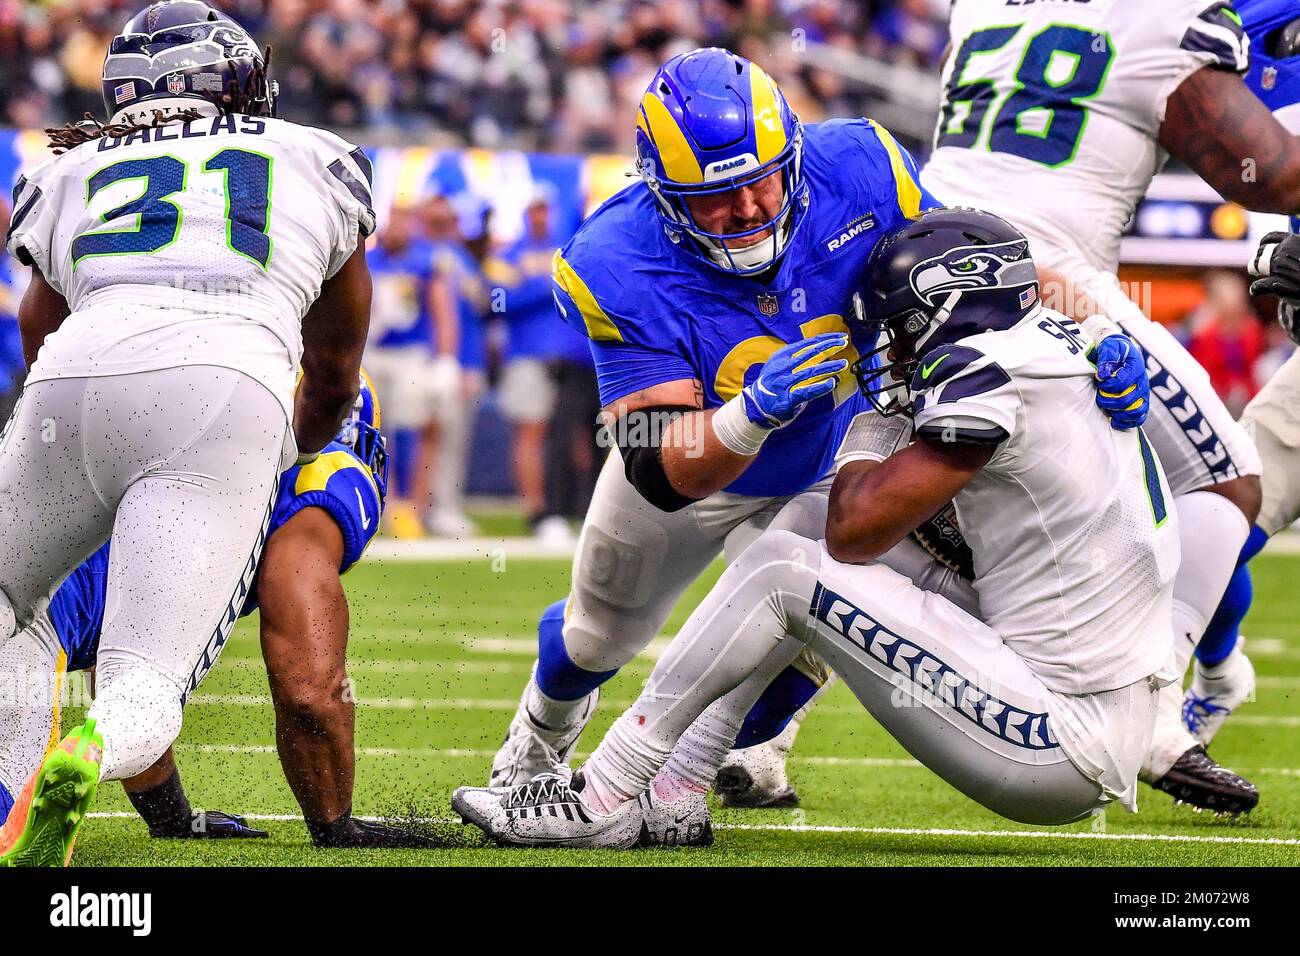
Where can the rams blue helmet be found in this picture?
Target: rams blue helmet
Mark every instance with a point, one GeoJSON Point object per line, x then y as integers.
{"type": "Point", "coordinates": [950, 273]}
{"type": "Point", "coordinates": [183, 49]}
{"type": "Point", "coordinates": [711, 122]}
{"type": "Point", "coordinates": [360, 432]}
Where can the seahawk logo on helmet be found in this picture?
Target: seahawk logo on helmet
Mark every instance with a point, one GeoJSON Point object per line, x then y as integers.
{"type": "Point", "coordinates": [973, 267]}
{"type": "Point", "coordinates": [178, 52]}
{"type": "Point", "coordinates": [949, 274]}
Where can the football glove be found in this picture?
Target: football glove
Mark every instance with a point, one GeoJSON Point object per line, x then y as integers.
{"type": "Point", "coordinates": [210, 825]}
{"type": "Point", "coordinates": [348, 832]}
{"type": "Point", "coordinates": [1123, 389]}
{"type": "Point", "coordinates": [794, 376]}
{"type": "Point", "coordinates": [1277, 264]}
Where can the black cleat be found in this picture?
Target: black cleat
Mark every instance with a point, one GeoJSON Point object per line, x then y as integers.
{"type": "Point", "coordinates": [1195, 779]}
{"type": "Point", "coordinates": [735, 788]}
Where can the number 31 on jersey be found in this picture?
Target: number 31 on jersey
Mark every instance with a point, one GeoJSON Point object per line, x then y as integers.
{"type": "Point", "coordinates": [154, 220]}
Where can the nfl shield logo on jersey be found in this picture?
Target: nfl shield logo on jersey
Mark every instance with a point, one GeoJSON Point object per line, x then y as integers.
{"type": "Point", "coordinates": [175, 84]}
{"type": "Point", "coordinates": [1268, 79]}
{"type": "Point", "coordinates": [767, 304]}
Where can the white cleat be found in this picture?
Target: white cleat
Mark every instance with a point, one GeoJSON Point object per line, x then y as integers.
{"type": "Point", "coordinates": [755, 778]}
{"type": "Point", "coordinates": [683, 822]}
{"type": "Point", "coordinates": [446, 523]}
{"type": "Point", "coordinates": [555, 532]}
{"type": "Point", "coordinates": [532, 749]}
{"type": "Point", "coordinates": [1216, 692]}
{"type": "Point", "coordinates": [548, 812]}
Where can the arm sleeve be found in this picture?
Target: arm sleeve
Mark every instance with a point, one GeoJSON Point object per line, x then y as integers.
{"type": "Point", "coordinates": [965, 398]}
{"type": "Point", "coordinates": [348, 177]}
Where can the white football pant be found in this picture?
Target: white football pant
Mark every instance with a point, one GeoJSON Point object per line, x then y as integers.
{"type": "Point", "coordinates": [180, 467]}
{"type": "Point", "coordinates": [935, 677]}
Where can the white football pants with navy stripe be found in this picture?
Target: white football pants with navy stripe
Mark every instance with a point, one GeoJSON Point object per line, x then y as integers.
{"type": "Point", "coordinates": [180, 467]}
{"type": "Point", "coordinates": [936, 678]}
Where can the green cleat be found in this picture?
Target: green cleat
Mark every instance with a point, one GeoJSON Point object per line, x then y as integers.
{"type": "Point", "coordinates": [42, 827]}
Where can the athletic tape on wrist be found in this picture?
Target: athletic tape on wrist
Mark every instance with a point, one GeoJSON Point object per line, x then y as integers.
{"type": "Point", "coordinates": [734, 429]}
{"type": "Point", "coordinates": [1099, 327]}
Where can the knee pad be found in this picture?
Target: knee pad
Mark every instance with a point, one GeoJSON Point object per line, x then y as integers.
{"type": "Point", "coordinates": [614, 568]}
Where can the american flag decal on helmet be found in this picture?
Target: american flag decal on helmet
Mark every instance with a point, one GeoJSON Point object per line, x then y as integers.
{"type": "Point", "coordinates": [1028, 296]}
{"type": "Point", "coordinates": [124, 91]}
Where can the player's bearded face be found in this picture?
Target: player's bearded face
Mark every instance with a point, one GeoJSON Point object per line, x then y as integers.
{"type": "Point", "coordinates": [739, 210]}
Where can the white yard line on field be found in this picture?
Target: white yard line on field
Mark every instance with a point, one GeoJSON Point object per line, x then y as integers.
{"type": "Point", "coordinates": [871, 831]}
{"type": "Point", "coordinates": [488, 703]}
{"type": "Point", "coordinates": [904, 763]}
{"type": "Point", "coordinates": [465, 549]}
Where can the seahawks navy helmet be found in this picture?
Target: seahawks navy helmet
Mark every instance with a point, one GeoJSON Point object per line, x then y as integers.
{"type": "Point", "coordinates": [950, 273]}
{"type": "Point", "coordinates": [177, 51]}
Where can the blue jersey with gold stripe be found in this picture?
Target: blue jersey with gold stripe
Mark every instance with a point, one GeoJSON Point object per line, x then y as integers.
{"type": "Point", "coordinates": [337, 481]}
{"type": "Point", "coordinates": [656, 313]}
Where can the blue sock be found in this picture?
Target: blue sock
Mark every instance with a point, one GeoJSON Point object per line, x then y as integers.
{"type": "Point", "coordinates": [557, 676]}
{"type": "Point", "coordinates": [6, 804]}
{"type": "Point", "coordinates": [1221, 635]}
{"type": "Point", "coordinates": [773, 710]}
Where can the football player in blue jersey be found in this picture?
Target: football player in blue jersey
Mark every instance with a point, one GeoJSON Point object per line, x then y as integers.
{"type": "Point", "coordinates": [1223, 677]}
{"type": "Point", "coordinates": [326, 513]}
{"type": "Point", "coordinates": [712, 292]}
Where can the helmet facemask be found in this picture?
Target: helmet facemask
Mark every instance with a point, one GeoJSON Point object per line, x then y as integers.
{"type": "Point", "coordinates": [890, 348]}
{"type": "Point", "coordinates": [673, 202]}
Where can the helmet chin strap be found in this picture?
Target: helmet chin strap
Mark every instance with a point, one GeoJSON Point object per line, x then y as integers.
{"type": "Point", "coordinates": [167, 105]}
{"type": "Point", "coordinates": [940, 317]}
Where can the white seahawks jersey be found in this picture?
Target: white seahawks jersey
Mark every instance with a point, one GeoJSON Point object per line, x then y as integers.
{"type": "Point", "coordinates": [1052, 110]}
{"type": "Point", "coordinates": [201, 243]}
{"type": "Point", "coordinates": [1071, 523]}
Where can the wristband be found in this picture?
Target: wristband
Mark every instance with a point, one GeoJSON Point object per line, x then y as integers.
{"type": "Point", "coordinates": [734, 429]}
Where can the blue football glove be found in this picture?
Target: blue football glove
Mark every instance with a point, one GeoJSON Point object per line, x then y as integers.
{"type": "Point", "coordinates": [786, 382]}
{"type": "Point", "coordinates": [1123, 389]}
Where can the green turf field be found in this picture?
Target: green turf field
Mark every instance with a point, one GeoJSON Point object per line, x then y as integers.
{"type": "Point", "coordinates": [440, 650]}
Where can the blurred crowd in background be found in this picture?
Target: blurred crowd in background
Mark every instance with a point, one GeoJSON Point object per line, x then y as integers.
{"type": "Point", "coordinates": [554, 75]}
{"type": "Point", "coordinates": [484, 389]}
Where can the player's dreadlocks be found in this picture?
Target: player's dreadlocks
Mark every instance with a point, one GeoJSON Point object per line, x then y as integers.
{"type": "Point", "coordinates": [235, 100]}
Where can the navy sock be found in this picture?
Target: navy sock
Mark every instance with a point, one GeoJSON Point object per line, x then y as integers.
{"type": "Point", "coordinates": [773, 710]}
